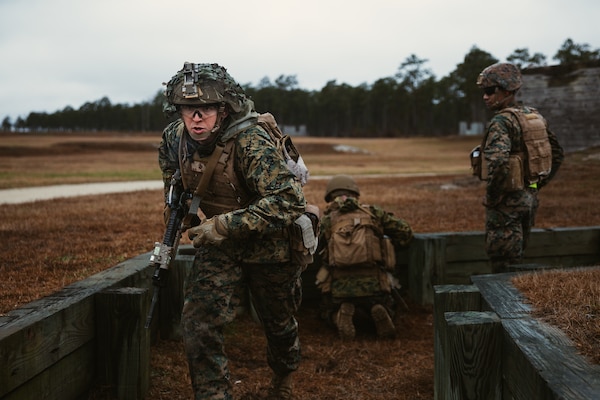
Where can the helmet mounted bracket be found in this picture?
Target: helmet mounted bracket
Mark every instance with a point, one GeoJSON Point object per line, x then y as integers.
{"type": "Point", "coordinates": [190, 77]}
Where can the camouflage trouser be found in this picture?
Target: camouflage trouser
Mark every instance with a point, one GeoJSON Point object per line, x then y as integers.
{"type": "Point", "coordinates": [212, 292]}
{"type": "Point", "coordinates": [507, 228]}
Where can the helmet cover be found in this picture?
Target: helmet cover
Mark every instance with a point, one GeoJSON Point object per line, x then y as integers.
{"type": "Point", "coordinates": [201, 84]}
{"type": "Point", "coordinates": [504, 75]}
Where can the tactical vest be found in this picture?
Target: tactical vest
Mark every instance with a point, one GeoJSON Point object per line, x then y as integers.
{"type": "Point", "coordinates": [538, 151]}
{"type": "Point", "coordinates": [225, 190]}
{"type": "Point", "coordinates": [530, 160]}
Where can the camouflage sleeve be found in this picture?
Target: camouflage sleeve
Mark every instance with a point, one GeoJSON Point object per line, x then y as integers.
{"type": "Point", "coordinates": [279, 198]}
{"type": "Point", "coordinates": [557, 158]}
{"type": "Point", "coordinates": [396, 228]}
{"type": "Point", "coordinates": [168, 150]}
{"type": "Point", "coordinates": [496, 154]}
{"type": "Point", "coordinates": [324, 236]}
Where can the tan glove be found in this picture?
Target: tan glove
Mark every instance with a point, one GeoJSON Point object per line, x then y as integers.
{"type": "Point", "coordinates": [212, 231]}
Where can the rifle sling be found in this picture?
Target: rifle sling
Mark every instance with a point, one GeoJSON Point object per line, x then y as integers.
{"type": "Point", "coordinates": [204, 180]}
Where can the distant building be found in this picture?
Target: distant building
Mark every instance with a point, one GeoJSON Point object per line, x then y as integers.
{"type": "Point", "coordinates": [476, 128]}
{"type": "Point", "coordinates": [294, 130]}
{"type": "Point", "coordinates": [568, 96]}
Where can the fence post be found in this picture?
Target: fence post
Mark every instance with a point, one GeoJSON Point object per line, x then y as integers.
{"type": "Point", "coordinates": [123, 344]}
{"type": "Point", "coordinates": [448, 298]}
{"type": "Point", "coordinates": [427, 260]}
{"type": "Point", "coordinates": [474, 355]}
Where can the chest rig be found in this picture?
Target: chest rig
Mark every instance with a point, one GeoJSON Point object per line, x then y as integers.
{"type": "Point", "coordinates": [534, 148]}
{"type": "Point", "coordinates": [213, 179]}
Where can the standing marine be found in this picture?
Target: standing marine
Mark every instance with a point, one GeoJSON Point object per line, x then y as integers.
{"type": "Point", "coordinates": [518, 156]}
{"type": "Point", "coordinates": [250, 236]}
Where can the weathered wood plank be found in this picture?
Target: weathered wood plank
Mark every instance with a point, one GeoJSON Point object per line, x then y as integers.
{"type": "Point", "coordinates": [465, 247]}
{"type": "Point", "coordinates": [500, 296]}
{"type": "Point", "coordinates": [543, 244]}
{"type": "Point", "coordinates": [426, 267]}
{"type": "Point", "coordinates": [558, 371]}
{"type": "Point", "coordinates": [69, 378]}
{"type": "Point", "coordinates": [27, 352]}
{"type": "Point", "coordinates": [563, 242]}
{"type": "Point", "coordinates": [123, 342]}
{"type": "Point", "coordinates": [448, 298]}
{"type": "Point", "coordinates": [474, 346]}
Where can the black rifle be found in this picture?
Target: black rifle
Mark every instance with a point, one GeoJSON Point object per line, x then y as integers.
{"type": "Point", "coordinates": [164, 253]}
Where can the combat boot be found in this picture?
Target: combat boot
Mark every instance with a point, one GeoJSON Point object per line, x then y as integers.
{"type": "Point", "coordinates": [281, 387]}
{"type": "Point", "coordinates": [344, 323]}
{"type": "Point", "coordinates": [383, 323]}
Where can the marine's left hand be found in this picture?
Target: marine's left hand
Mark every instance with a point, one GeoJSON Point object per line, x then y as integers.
{"type": "Point", "coordinates": [212, 231]}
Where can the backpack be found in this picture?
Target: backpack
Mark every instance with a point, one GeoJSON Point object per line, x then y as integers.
{"type": "Point", "coordinates": [357, 240]}
{"type": "Point", "coordinates": [284, 143]}
{"type": "Point", "coordinates": [304, 232]}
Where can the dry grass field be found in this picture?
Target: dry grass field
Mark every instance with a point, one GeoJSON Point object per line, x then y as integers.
{"type": "Point", "coordinates": [49, 244]}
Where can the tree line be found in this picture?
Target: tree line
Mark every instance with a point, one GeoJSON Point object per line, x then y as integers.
{"type": "Point", "coordinates": [410, 103]}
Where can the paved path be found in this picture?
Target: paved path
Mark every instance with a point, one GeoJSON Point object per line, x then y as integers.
{"type": "Point", "coordinates": [24, 195]}
{"type": "Point", "coordinates": [29, 194]}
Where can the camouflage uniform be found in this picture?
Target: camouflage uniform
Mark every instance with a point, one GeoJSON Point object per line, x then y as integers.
{"type": "Point", "coordinates": [255, 255]}
{"type": "Point", "coordinates": [362, 290]}
{"type": "Point", "coordinates": [510, 215]}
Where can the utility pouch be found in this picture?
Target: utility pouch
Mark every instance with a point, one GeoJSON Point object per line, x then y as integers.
{"type": "Point", "coordinates": [389, 254]}
{"type": "Point", "coordinates": [303, 242]}
{"type": "Point", "coordinates": [476, 164]}
{"type": "Point", "coordinates": [323, 280]}
{"type": "Point", "coordinates": [514, 181]}
{"type": "Point", "coordinates": [385, 282]}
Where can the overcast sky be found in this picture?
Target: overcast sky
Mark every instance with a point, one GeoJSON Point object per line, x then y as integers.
{"type": "Point", "coordinates": [58, 53]}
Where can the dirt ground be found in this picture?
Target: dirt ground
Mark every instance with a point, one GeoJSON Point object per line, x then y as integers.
{"type": "Point", "coordinates": [50, 244]}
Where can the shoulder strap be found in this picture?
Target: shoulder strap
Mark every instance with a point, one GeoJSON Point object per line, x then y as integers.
{"type": "Point", "coordinates": [284, 142]}
{"type": "Point", "coordinates": [204, 181]}
{"type": "Point", "coordinates": [285, 146]}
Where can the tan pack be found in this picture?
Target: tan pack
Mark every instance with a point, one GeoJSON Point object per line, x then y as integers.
{"type": "Point", "coordinates": [477, 163]}
{"type": "Point", "coordinates": [538, 159]}
{"type": "Point", "coordinates": [515, 177]}
{"type": "Point", "coordinates": [356, 240]}
{"type": "Point", "coordinates": [529, 166]}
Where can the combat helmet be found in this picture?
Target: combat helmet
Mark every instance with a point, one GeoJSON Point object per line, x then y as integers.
{"type": "Point", "coordinates": [198, 84]}
{"type": "Point", "coordinates": [504, 75]}
{"type": "Point", "coordinates": [340, 182]}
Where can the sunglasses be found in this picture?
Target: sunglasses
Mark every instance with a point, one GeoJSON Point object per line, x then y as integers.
{"type": "Point", "coordinates": [203, 111]}
{"type": "Point", "coordinates": [490, 90]}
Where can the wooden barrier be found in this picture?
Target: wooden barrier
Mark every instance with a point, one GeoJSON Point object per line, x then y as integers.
{"type": "Point", "coordinates": [49, 347]}
{"type": "Point", "coordinates": [453, 257]}
{"type": "Point", "coordinates": [533, 359]}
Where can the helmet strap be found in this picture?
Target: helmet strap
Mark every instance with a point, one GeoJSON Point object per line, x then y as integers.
{"type": "Point", "coordinates": [506, 100]}
{"type": "Point", "coordinates": [221, 115]}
